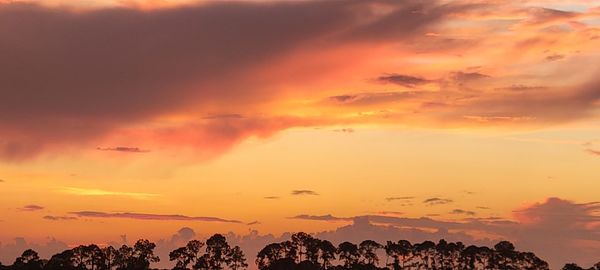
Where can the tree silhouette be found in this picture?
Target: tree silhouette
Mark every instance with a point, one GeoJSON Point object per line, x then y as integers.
{"type": "Point", "coordinates": [302, 242]}
{"type": "Point", "coordinates": [186, 255]}
{"type": "Point", "coordinates": [110, 257]}
{"type": "Point", "coordinates": [218, 255]}
{"type": "Point", "coordinates": [368, 251]}
{"type": "Point", "coordinates": [326, 253]}
{"type": "Point", "coordinates": [29, 260]}
{"type": "Point", "coordinates": [217, 251]}
{"type": "Point", "coordinates": [348, 254]}
{"type": "Point", "coordinates": [269, 255]}
{"type": "Point", "coordinates": [143, 255]}
{"type": "Point", "coordinates": [64, 260]}
{"type": "Point", "coordinates": [317, 254]}
{"type": "Point", "coordinates": [88, 257]}
{"type": "Point", "coordinates": [572, 266]}
{"type": "Point", "coordinates": [123, 257]}
{"type": "Point", "coordinates": [237, 259]}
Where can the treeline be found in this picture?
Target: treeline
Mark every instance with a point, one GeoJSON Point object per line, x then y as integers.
{"type": "Point", "coordinates": [301, 252]}
{"type": "Point", "coordinates": [306, 252]}
{"type": "Point", "coordinates": [215, 254]}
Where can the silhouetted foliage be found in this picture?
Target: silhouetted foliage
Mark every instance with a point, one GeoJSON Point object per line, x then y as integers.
{"type": "Point", "coordinates": [91, 257]}
{"type": "Point", "coordinates": [301, 252]}
{"type": "Point", "coordinates": [574, 266]}
{"type": "Point", "coordinates": [218, 255]}
{"type": "Point", "coordinates": [307, 252]}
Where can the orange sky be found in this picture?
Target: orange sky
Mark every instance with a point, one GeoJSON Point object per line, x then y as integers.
{"type": "Point", "coordinates": [139, 118]}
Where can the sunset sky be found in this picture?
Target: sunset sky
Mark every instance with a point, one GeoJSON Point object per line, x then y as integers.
{"type": "Point", "coordinates": [468, 120]}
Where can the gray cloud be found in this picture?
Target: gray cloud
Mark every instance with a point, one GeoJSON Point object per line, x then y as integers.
{"type": "Point", "coordinates": [574, 227]}
{"type": "Point", "coordinates": [304, 192]}
{"type": "Point", "coordinates": [437, 201]}
{"type": "Point", "coordinates": [9, 251]}
{"type": "Point", "coordinates": [142, 216]}
{"type": "Point", "coordinates": [404, 198]}
{"type": "Point", "coordinates": [124, 149]}
{"type": "Point", "coordinates": [320, 218]}
{"type": "Point", "coordinates": [403, 80]}
{"type": "Point", "coordinates": [555, 57]}
{"type": "Point", "coordinates": [72, 77]}
{"type": "Point", "coordinates": [593, 152]}
{"type": "Point", "coordinates": [462, 212]}
{"type": "Point", "coordinates": [57, 218]}
{"type": "Point", "coordinates": [369, 98]}
{"type": "Point", "coordinates": [31, 207]}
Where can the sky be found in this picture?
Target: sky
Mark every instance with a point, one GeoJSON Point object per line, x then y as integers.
{"type": "Point", "coordinates": [473, 121]}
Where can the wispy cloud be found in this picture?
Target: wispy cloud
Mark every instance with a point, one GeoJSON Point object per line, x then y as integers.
{"type": "Point", "coordinates": [463, 212]}
{"type": "Point", "coordinates": [144, 216]}
{"type": "Point", "coordinates": [253, 223]}
{"type": "Point", "coordinates": [593, 152]}
{"type": "Point", "coordinates": [223, 116]}
{"type": "Point", "coordinates": [437, 201]}
{"type": "Point", "coordinates": [405, 198]}
{"type": "Point", "coordinates": [125, 149]}
{"type": "Point", "coordinates": [31, 208]}
{"type": "Point", "coordinates": [344, 130]}
{"type": "Point", "coordinates": [390, 213]}
{"type": "Point", "coordinates": [271, 198]}
{"type": "Point", "coordinates": [101, 192]}
{"type": "Point", "coordinates": [56, 218]}
{"type": "Point", "coordinates": [304, 192]}
{"type": "Point", "coordinates": [555, 57]}
{"type": "Point", "coordinates": [403, 80]}
{"type": "Point", "coordinates": [320, 218]}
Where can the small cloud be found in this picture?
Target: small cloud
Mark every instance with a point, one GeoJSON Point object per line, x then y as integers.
{"type": "Point", "coordinates": [555, 57]}
{"type": "Point", "coordinates": [271, 198]}
{"type": "Point", "coordinates": [123, 149]}
{"type": "Point", "coordinates": [593, 152]}
{"type": "Point", "coordinates": [343, 98]}
{"type": "Point", "coordinates": [437, 201]}
{"type": "Point", "coordinates": [405, 198]}
{"type": "Point", "coordinates": [403, 80]}
{"type": "Point", "coordinates": [483, 207]}
{"type": "Point", "coordinates": [223, 116]}
{"type": "Point", "coordinates": [462, 212]}
{"type": "Point", "coordinates": [520, 88]}
{"type": "Point", "coordinates": [100, 192]}
{"type": "Point", "coordinates": [253, 223]}
{"type": "Point", "coordinates": [390, 213]}
{"type": "Point", "coordinates": [468, 76]}
{"type": "Point", "coordinates": [144, 216]}
{"type": "Point", "coordinates": [304, 192]}
{"type": "Point", "coordinates": [344, 130]}
{"type": "Point", "coordinates": [31, 207]}
{"type": "Point", "coordinates": [369, 98]}
{"type": "Point", "coordinates": [320, 218]}
{"type": "Point", "coordinates": [56, 218]}
{"type": "Point", "coordinates": [2, 181]}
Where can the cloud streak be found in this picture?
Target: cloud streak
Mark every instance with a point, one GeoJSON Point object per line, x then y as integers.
{"type": "Point", "coordinates": [143, 216]}
{"type": "Point", "coordinates": [31, 208]}
{"type": "Point", "coordinates": [437, 201]}
{"type": "Point", "coordinates": [58, 218]}
{"type": "Point", "coordinates": [304, 192]}
{"type": "Point", "coordinates": [101, 192]}
{"type": "Point", "coordinates": [123, 149]}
